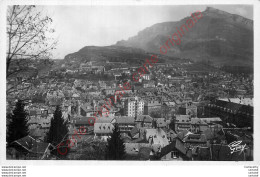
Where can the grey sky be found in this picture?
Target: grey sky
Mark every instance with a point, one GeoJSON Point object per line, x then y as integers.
{"type": "Point", "coordinates": [79, 26]}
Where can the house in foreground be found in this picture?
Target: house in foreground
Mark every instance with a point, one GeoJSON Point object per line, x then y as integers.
{"type": "Point", "coordinates": [29, 148]}
{"type": "Point", "coordinates": [103, 130]}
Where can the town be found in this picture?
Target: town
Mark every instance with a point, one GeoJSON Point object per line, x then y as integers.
{"type": "Point", "coordinates": [176, 111]}
{"type": "Point", "coordinates": [136, 99]}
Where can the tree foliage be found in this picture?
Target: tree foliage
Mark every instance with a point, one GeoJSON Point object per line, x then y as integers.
{"type": "Point", "coordinates": [172, 124]}
{"type": "Point", "coordinates": [17, 126]}
{"type": "Point", "coordinates": [58, 131]}
{"type": "Point", "coordinates": [154, 124]}
{"type": "Point", "coordinates": [93, 151]}
{"type": "Point", "coordinates": [155, 114]}
{"type": "Point", "coordinates": [116, 148]}
{"type": "Point", "coordinates": [28, 38]}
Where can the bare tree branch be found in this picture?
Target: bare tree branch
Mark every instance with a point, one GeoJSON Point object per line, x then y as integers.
{"type": "Point", "coordinates": [27, 38]}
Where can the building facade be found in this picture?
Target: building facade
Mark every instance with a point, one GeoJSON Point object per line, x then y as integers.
{"type": "Point", "coordinates": [133, 107]}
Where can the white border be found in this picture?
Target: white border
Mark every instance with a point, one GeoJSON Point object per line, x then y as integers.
{"type": "Point", "coordinates": [256, 18]}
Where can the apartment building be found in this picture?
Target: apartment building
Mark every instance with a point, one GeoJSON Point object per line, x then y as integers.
{"type": "Point", "coordinates": [133, 106]}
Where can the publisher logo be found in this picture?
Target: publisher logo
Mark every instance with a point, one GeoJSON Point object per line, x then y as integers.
{"type": "Point", "coordinates": [236, 146]}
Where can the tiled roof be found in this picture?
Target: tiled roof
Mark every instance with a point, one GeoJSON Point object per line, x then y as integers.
{"type": "Point", "coordinates": [161, 122]}
{"type": "Point", "coordinates": [211, 119]}
{"type": "Point", "coordinates": [82, 121]}
{"type": "Point", "coordinates": [103, 128]}
{"type": "Point", "coordinates": [234, 107]}
{"type": "Point", "coordinates": [195, 138]}
{"type": "Point", "coordinates": [31, 145]}
{"type": "Point", "coordinates": [244, 101]}
{"type": "Point", "coordinates": [104, 120]}
{"type": "Point", "coordinates": [197, 121]}
{"type": "Point", "coordinates": [133, 148]}
{"type": "Point", "coordinates": [134, 131]}
{"type": "Point", "coordinates": [158, 136]}
{"type": "Point", "coordinates": [182, 134]}
{"type": "Point", "coordinates": [125, 120]}
{"type": "Point", "coordinates": [175, 145]}
{"type": "Point", "coordinates": [144, 118]}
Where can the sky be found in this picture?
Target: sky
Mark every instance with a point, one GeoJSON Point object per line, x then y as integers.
{"type": "Point", "coordinates": [80, 26]}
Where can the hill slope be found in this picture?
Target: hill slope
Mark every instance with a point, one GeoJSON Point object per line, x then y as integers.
{"type": "Point", "coordinates": [221, 37]}
{"type": "Point", "coordinates": [120, 54]}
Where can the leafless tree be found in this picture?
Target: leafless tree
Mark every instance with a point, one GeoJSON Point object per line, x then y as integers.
{"type": "Point", "coordinates": [29, 37]}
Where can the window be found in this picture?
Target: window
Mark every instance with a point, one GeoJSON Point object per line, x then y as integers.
{"type": "Point", "coordinates": [174, 154]}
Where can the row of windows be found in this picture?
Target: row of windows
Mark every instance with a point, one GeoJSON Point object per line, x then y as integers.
{"type": "Point", "coordinates": [125, 129]}
{"type": "Point", "coordinates": [103, 134]}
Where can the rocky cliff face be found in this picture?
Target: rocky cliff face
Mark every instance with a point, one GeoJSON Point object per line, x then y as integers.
{"type": "Point", "coordinates": [221, 37]}
{"type": "Point", "coordinates": [229, 17]}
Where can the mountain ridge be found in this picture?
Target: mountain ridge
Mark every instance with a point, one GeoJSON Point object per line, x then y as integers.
{"type": "Point", "coordinates": [219, 37]}
{"type": "Point", "coordinates": [213, 38]}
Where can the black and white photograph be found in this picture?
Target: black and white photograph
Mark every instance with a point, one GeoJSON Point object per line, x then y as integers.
{"type": "Point", "coordinates": [128, 83]}
{"type": "Point", "coordinates": [153, 88]}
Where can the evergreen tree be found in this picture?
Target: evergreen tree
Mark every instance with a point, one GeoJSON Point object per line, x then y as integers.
{"type": "Point", "coordinates": [154, 124]}
{"type": "Point", "coordinates": [115, 149]}
{"type": "Point", "coordinates": [155, 114]}
{"type": "Point", "coordinates": [172, 123]}
{"type": "Point", "coordinates": [58, 132]}
{"type": "Point", "coordinates": [17, 126]}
